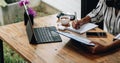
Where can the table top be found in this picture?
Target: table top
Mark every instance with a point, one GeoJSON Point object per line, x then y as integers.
{"type": "Point", "coordinates": [61, 52]}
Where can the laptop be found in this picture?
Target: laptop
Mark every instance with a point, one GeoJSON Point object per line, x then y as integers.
{"type": "Point", "coordinates": [42, 34]}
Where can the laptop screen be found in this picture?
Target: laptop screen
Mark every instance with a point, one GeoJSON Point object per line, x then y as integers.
{"type": "Point", "coordinates": [29, 30]}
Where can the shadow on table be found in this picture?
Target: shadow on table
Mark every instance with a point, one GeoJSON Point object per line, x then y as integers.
{"type": "Point", "coordinates": [80, 49]}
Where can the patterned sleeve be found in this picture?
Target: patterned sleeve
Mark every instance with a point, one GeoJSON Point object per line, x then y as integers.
{"type": "Point", "coordinates": [97, 13]}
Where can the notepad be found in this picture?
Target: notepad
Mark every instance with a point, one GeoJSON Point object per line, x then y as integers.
{"type": "Point", "coordinates": [83, 28]}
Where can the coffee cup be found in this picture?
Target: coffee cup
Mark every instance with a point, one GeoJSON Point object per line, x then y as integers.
{"type": "Point", "coordinates": [65, 20]}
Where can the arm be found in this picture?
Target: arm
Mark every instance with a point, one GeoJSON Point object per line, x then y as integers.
{"type": "Point", "coordinates": [95, 15]}
{"type": "Point", "coordinates": [115, 44]}
{"type": "Point", "coordinates": [100, 48]}
{"type": "Point", "coordinates": [77, 24]}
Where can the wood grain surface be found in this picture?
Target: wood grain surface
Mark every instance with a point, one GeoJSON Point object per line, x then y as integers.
{"type": "Point", "coordinates": [61, 52]}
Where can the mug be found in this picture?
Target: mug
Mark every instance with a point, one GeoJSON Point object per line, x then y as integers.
{"type": "Point", "coordinates": [65, 20]}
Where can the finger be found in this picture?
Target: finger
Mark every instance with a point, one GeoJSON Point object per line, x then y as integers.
{"type": "Point", "coordinates": [95, 43]}
{"type": "Point", "coordinates": [74, 24]}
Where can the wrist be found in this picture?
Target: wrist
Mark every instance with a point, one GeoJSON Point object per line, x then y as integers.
{"type": "Point", "coordinates": [113, 45]}
{"type": "Point", "coordinates": [85, 20]}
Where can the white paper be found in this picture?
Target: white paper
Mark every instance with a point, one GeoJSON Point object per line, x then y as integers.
{"type": "Point", "coordinates": [117, 37]}
{"type": "Point", "coordinates": [83, 28]}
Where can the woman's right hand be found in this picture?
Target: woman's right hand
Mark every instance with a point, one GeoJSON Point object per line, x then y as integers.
{"type": "Point", "coordinates": [77, 24]}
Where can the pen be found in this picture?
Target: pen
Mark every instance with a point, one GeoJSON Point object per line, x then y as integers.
{"type": "Point", "coordinates": [75, 16]}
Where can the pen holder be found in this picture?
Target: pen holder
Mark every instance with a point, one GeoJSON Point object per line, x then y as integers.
{"type": "Point", "coordinates": [26, 18]}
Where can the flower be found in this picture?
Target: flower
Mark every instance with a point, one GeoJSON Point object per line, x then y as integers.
{"type": "Point", "coordinates": [21, 2]}
{"type": "Point", "coordinates": [31, 11]}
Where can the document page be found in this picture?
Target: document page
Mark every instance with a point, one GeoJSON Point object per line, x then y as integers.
{"type": "Point", "coordinates": [83, 28]}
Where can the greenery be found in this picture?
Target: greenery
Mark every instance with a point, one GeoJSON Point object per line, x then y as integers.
{"type": "Point", "coordinates": [11, 56]}
{"type": "Point", "coordinates": [18, 19]}
{"type": "Point", "coordinates": [40, 10]}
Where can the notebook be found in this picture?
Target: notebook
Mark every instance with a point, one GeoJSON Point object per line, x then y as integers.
{"type": "Point", "coordinates": [42, 34]}
{"type": "Point", "coordinates": [86, 27]}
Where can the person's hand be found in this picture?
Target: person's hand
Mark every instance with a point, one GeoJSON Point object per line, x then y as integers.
{"type": "Point", "coordinates": [98, 48]}
{"type": "Point", "coordinates": [101, 48]}
{"type": "Point", "coordinates": [77, 24]}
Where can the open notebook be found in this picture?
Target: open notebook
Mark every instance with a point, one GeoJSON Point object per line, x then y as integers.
{"type": "Point", "coordinates": [83, 28]}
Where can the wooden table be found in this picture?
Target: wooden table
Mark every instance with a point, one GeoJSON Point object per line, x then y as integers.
{"type": "Point", "coordinates": [61, 52]}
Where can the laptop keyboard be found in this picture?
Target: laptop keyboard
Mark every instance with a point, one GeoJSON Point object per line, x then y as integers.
{"type": "Point", "coordinates": [46, 34]}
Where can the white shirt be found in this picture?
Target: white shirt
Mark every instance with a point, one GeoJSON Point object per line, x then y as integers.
{"type": "Point", "coordinates": [102, 12]}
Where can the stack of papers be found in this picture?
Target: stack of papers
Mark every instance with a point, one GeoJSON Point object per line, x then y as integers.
{"type": "Point", "coordinates": [80, 39]}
